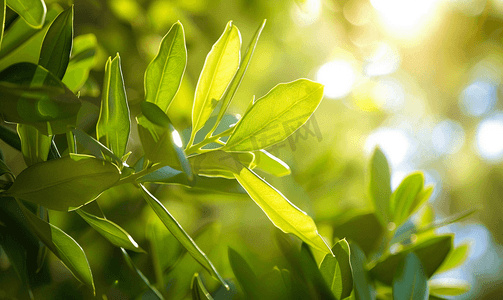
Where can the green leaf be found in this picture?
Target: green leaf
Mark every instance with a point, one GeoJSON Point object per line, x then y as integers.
{"type": "Point", "coordinates": [431, 252]}
{"type": "Point", "coordinates": [269, 163]}
{"type": "Point", "coordinates": [238, 77]}
{"type": "Point", "coordinates": [34, 145]}
{"type": "Point", "coordinates": [65, 183]}
{"type": "Point", "coordinates": [363, 228]}
{"type": "Point", "coordinates": [34, 96]}
{"type": "Point", "coordinates": [113, 126]}
{"type": "Point", "coordinates": [96, 148]}
{"type": "Point", "coordinates": [57, 45]}
{"type": "Point", "coordinates": [410, 281]}
{"type": "Point", "coordinates": [380, 186]}
{"type": "Point", "coordinates": [164, 73]}
{"type": "Point", "coordinates": [402, 199]}
{"type": "Point", "coordinates": [275, 116]}
{"type": "Point", "coordinates": [199, 292]}
{"type": "Point", "coordinates": [176, 229]}
{"type": "Point", "coordinates": [211, 164]}
{"type": "Point", "coordinates": [2, 20]}
{"type": "Point", "coordinates": [10, 137]}
{"type": "Point", "coordinates": [145, 280]}
{"type": "Point", "coordinates": [111, 231]}
{"type": "Point", "coordinates": [362, 286]}
{"type": "Point", "coordinates": [62, 245]}
{"type": "Point", "coordinates": [83, 59]}
{"type": "Point", "coordinates": [311, 272]}
{"type": "Point", "coordinates": [4, 169]}
{"type": "Point", "coordinates": [164, 248]}
{"type": "Point", "coordinates": [336, 270]}
{"type": "Point", "coordinates": [17, 259]}
{"type": "Point", "coordinates": [448, 287]}
{"type": "Point", "coordinates": [455, 258]}
{"type": "Point", "coordinates": [161, 142]}
{"type": "Point", "coordinates": [32, 11]}
{"type": "Point", "coordinates": [245, 275]}
{"type": "Point", "coordinates": [282, 213]}
{"type": "Point", "coordinates": [218, 70]}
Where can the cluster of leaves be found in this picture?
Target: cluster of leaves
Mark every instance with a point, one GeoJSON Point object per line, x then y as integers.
{"type": "Point", "coordinates": [43, 69]}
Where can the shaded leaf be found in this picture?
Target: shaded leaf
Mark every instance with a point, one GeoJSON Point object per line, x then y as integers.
{"type": "Point", "coordinates": [164, 73]}
{"type": "Point", "coordinates": [380, 185]}
{"type": "Point", "coordinates": [34, 145]}
{"type": "Point", "coordinates": [96, 148]}
{"type": "Point", "coordinates": [2, 20]}
{"type": "Point", "coordinates": [57, 45]}
{"type": "Point", "coordinates": [245, 275]}
{"type": "Point", "coordinates": [65, 183]}
{"type": "Point", "coordinates": [10, 137]}
{"type": "Point", "coordinates": [219, 68]}
{"type": "Point", "coordinates": [176, 229]}
{"type": "Point", "coordinates": [410, 281]}
{"type": "Point", "coordinates": [32, 11]}
{"type": "Point", "coordinates": [113, 127]}
{"type": "Point", "coordinates": [362, 287]}
{"type": "Point", "coordinates": [111, 231]}
{"type": "Point", "coordinates": [316, 282]}
{"type": "Point", "coordinates": [448, 287]}
{"type": "Point", "coordinates": [81, 62]}
{"type": "Point", "coordinates": [275, 116]}
{"type": "Point", "coordinates": [145, 280]}
{"type": "Point", "coordinates": [336, 270]}
{"type": "Point", "coordinates": [62, 245]}
{"type": "Point", "coordinates": [199, 292]}
{"type": "Point", "coordinates": [17, 258]}
{"type": "Point", "coordinates": [456, 257]}
{"type": "Point", "coordinates": [34, 96]}
{"type": "Point", "coordinates": [363, 228]}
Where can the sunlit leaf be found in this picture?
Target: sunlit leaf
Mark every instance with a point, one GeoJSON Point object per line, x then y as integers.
{"type": "Point", "coordinates": [410, 280]}
{"type": "Point", "coordinates": [218, 70]}
{"type": "Point", "coordinates": [62, 245]}
{"type": "Point", "coordinates": [34, 145]}
{"type": "Point", "coordinates": [164, 73]}
{"type": "Point", "coordinates": [336, 270]}
{"type": "Point", "coordinates": [57, 45]}
{"type": "Point", "coordinates": [363, 288]}
{"type": "Point", "coordinates": [65, 183]}
{"type": "Point", "coordinates": [111, 231]}
{"type": "Point", "coordinates": [113, 127]}
{"type": "Point", "coordinates": [32, 95]}
{"type": "Point", "coordinates": [456, 257]}
{"type": "Point", "coordinates": [32, 11]}
{"type": "Point", "coordinates": [380, 185]}
{"type": "Point", "coordinates": [282, 213]}
{"type": "Point", "coordinates": [276, 116]}
{"type": "Point", "coordinates": [448, 287]}
{"type": "Point", "coordinates": [403, 197]}
{"type": "Point", "coordinates": [176, 229]}
{"type": "Point", "coordinates": [238, 77]}
{"type": "Point", "coordinates": [81, 62]}
{"type": "Point", "coordinates": [199, 291]}
{"type": "Point", "coordinates": [269, 163]}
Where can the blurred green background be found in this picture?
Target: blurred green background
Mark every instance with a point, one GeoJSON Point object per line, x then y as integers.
{"type": "Point", "coordinates": [422, 79]}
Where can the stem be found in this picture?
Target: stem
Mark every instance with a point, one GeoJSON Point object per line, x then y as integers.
{"type": "Point", "coordinates": [70, 140]}
{"type": "Point", "coordinates": [132, 178]}
{"type": "Point", "coordinates": [197, 147]}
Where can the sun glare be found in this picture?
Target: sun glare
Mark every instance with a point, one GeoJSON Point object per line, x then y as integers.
{"type": "Point", "coordinates": [338, 76]}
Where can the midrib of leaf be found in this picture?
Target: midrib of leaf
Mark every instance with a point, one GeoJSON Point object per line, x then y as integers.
{"type": "Point", "coordinates": [25, 9]}
{"type": "Point", "coordinates": [273, 119]}
{"type": "Point", "coordinates": [413, 287]}
{"type": "Point", "coordinates": [212, 79]}
{"type": "Point", "coordinates": [62, 181]}
{"type": "Point", "coordinates": [336, 271]}
{"type": "Point", "coordinates": [165, 65]}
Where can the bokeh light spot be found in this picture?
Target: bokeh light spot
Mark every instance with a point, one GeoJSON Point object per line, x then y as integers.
{"type": "Point", "coordinates": [448, 137]}
{"type": "Point", "coordinates": [478, 98]}
{"type": "Point", "coordinates": [490, 138]}
{"type": "Point", "coordinates": [338, 76]}
{"type": "Point", "coordinates": [395, 143]}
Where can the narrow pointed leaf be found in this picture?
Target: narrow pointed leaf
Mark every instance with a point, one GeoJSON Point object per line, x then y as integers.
{"type": "Point", "coordinates": [410, 281]}
{"type": "Point", "coordinates": [455, 258]}
{"type": "Point", "coordinates": [17, 259]}
{"type": "Point", "coordinates": [32, 11]}
{"type": "Point", "coordinates": [62, 245]}
{"type": "Point", "coordinates": [111, 231]}
{"type": "Point", "coordinates": [269, 163]}
{"type": "Point", "coordinates": [10, 137]}
{"type": "Point", "coordinates": [34, 145]}
{"type": "Point", "coordinates": [57, 45]}
{"type": "Point", "coordinates": [403, 197]}
{"type": "Point", "coordinates": [218, 70]}
{"type": "Point", "coordinates": [199, 291]}
{"type": "Point", "coordinates": [2, 20]}
{"type": "Point", "coordinates": [282, 213]}
{"type": "Point", "coordinates": [95, 147]}
{"type": "Point", "coordinates": [82, 60]}
{"type": "Point", "coordinates": [32, 95]}
{"type": "Point", "coordinates": [336, 270]}
{"type": "Point", "coordinates": [380, 185]}
{"type": "Point", "coordinates": [164, 73]}
{"type": "Point", "coordinates": [245, 275]}
{"type": "Point", "coordinates": [312, 274]}
{"type": "Point", "coordinates": [238, 77]}
{"type": "Point", "coordinates": [448, 287]}
{"type": "Point", "coordinates": [275, 116]}
{"type": "Point", "coordinates": [145, 280]}
{"type": "Point", "coordinates": [179, 233]}
{"type": "Point", "coordinates": [362, 285]}
{"type": "Point", "coordinates": [113, 126]}
{"type": "Point", "coordinates": [65, 183]}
